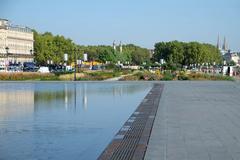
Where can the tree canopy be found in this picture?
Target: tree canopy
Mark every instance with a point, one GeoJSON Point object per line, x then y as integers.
{"type": "Point", "coordinates": [181, 53]}
{"type": "Point", "coordinates": [49, 47]}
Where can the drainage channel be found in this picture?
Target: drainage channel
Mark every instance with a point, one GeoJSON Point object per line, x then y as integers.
{"type": "Point", "coordinates": [132, 139]}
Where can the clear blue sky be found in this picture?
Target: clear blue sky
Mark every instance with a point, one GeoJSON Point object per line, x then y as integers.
{"type": "Point", "coordinates": [142, 22]}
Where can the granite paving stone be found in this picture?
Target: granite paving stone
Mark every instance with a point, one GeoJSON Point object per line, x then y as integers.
{"type": "Point", "coordinates": [197, 120]}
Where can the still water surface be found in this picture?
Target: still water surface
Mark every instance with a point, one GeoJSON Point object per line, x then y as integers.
{"type": "Point", "coordinates": [50, 120]}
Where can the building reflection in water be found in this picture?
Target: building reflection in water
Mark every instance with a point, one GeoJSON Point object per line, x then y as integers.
{"type": "Point", "coordinates": [16, 102]}
{"type": "Point", "coordinates": [60, 120]}
{"type": "Point", "coordinates": [34, 97]}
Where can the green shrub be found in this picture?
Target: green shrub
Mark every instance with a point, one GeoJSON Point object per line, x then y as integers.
{"type": "Point", "coordinates": [168, 76]}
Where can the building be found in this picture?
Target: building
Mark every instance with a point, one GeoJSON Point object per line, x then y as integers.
{"type": "Point", "coordinates": [16, 43]}
{"type": "Point", "coordinates": [227, 54]}
{"type": "Point", "coordinates": [232, 56]}
{"type": "Point", "coordinates": [120, 47]}
{"type": "Point", "coordinates": [224, 48]}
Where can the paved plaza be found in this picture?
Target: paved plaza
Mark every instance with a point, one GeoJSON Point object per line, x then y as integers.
{"type": "Point", "coordinates": [197, 121]}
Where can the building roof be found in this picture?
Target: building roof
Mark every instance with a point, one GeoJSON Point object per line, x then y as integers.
{"type": "Point", "coordinates": [19, 28]}
{"type": "Point", "coordinates": [2, 19]}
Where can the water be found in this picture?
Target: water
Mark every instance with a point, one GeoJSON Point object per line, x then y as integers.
{"type": "Point", "coordinates": [50, 120]}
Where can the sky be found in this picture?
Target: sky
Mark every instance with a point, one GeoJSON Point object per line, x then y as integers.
{"type": "Point", "coordinates": [141, 22]}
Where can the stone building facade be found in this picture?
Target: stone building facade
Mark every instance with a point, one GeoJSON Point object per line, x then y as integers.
{"type": "Point", "coordinates": [16, 43]}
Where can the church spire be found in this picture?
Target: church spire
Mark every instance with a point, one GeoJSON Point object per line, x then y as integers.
{"type": "Point", "coordinates": [224, 47]}
{"type": "Point", "coordinates": [218, 42]}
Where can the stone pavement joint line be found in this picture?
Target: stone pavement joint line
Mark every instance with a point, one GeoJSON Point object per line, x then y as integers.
{"type": "Point", "coordinates": [132, 139]}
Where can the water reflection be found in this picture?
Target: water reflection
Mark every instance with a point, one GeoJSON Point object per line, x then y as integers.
{"type": "Point", "coordinates": [34, 97]}
{"type": "Point", "coordinates": [67, 95]}
{"type": "Point", "coordinates": [16, 102]}
{"type": "Point", "coordinates": [84, 97]}
{"type": "Point", "coordinates": [63, 120]}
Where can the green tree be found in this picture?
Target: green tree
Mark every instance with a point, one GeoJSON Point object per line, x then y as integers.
{"type": "Point", "coordinates": [50, 47]}
{"type": "Point", "coordinates": [180, 53]}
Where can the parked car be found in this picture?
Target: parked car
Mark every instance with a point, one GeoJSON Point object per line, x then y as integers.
{"type": "Point", "coordinates": [96, 67]}
{"type": "Point", "coordinates": [29, 67]}
{"type": "Point", "coordinates": [56, 68]}
{"type": "Point", "coordinates": [43, 69]}
{"type": "Point", "coordinates": [2, 68]}
{"type": "Point", "coordinates": [15, 67]}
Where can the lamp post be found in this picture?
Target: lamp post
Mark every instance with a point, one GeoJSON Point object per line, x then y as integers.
{"type": "Point", "coordinates": [75, 59]}
{"type": "Point", "coordinates": [31, 53]}
{"type": "Point", "coordinates": [75, 64]}
{"type": "Point", "coordinates": [7, 49]}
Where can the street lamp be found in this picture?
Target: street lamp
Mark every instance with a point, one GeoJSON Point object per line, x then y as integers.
{"type": "Point", "coordinates": [75, 64]}
{"type": "Point", "coordinates": [31, 53]}
{"type": "Point", "coordinates": [75, 61]}
{"type": "Point", "coordinates": [7, 49]}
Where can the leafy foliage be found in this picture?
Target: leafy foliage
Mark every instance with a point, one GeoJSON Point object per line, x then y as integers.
{"type": "Point", "coordinates": [49, 47]}
{"type": "Point", "coordinates": [180, 53]}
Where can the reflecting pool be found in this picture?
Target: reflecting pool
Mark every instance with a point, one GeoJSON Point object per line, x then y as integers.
{"type": "Point", "coordinates": [57, 120]}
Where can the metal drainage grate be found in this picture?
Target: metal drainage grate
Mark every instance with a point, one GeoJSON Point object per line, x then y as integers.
{"type": "Point", "coordinates": [132, 139]}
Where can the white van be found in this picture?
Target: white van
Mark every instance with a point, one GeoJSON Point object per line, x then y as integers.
{"type": "Point", "coordinates": [43, 70]}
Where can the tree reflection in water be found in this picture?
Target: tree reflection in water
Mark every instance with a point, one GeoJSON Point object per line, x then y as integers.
{"type": "Point", "coordinates": [71, 120]}
{"type": "Point", "coordinates": [68, 95]}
